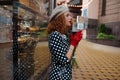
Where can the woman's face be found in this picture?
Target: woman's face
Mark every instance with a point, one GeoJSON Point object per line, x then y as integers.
{"type": "Point", "coordinates": [68, 19]}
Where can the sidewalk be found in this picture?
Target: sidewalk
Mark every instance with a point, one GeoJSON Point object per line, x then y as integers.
{"type": "Point", "coordinates": [5, 61]}
{"type": "Point", "coordinates": [97, 62]}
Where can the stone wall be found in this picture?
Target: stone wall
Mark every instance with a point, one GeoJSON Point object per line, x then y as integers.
{"type": "Point", "coordinates": [114, 43]}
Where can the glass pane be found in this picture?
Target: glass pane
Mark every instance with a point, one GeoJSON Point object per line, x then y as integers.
{"type": "Point", "coordinates": [6, 42]}
{"type": "Point", "coordinates": [33, 56]}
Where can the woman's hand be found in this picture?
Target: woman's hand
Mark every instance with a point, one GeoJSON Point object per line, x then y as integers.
{"type": "Point", "coordinates": [75, 38]}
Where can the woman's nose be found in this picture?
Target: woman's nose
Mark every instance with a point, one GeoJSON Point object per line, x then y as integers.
{"type": "Point", "coordinates": [71, 19]}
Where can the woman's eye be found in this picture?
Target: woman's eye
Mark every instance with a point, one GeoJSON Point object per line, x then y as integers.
{"type": "Point", "coordinates": [67, 15]}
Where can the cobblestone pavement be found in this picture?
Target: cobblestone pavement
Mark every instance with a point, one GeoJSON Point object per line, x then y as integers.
{"type": "Point", "coordinates": [96, 62]}
{"type": "Point", "coordinates": [42, 60]}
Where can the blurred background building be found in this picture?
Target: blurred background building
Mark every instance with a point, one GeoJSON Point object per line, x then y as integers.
{"type": "Point", "coordinates": [102, 12]}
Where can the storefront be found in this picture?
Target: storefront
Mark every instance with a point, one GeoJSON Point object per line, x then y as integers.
{"type": "Point", "coordinates": [21, 26]}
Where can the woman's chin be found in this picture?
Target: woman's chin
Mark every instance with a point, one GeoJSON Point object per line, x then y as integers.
{"type": "Point", "coordinates": [69, 27]}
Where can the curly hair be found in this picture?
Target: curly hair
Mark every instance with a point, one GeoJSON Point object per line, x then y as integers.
{"type": "Point", "coordinates": [57, 24]}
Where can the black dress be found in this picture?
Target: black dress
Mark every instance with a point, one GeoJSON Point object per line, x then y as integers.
{"type": "Point", "coordinates": [60, 68]}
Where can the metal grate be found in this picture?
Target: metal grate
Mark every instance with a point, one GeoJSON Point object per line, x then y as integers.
{"type": "Point", "coordinates": [25, 59]}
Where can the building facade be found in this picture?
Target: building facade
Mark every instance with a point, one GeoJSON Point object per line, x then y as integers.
{"type": "Point", "coordinates": [90, 10]}
{"type": "Point", "coordinates": [74, 5]}
{"type": "Point", "coordinates": [109, 14]}
{"type": "Point", "coordinates": [102, 12]}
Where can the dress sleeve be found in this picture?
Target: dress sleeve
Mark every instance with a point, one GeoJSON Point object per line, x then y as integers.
{"type": "Point", "coordinates": [58, 48]}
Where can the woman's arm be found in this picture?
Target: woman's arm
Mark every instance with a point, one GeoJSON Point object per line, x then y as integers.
{"type": "Point", "coordinates": [58, 48]}
{"type": "Point", "coordinates": [75, 38]}
{"type": "Point", "coordinates": [69, 53]}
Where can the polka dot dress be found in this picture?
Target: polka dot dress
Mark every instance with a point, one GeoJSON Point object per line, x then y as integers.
{"type": "Point", "coordinates": [60, 68]}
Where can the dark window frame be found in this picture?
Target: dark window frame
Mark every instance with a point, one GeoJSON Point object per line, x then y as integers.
{"type": "Point", "coordinates": [7, 2]}
{"type": "Point", "coordinates": [103, 11]}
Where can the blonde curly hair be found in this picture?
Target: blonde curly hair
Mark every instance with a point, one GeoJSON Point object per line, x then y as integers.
{"type": "Point", "coordinates": [57, 24]}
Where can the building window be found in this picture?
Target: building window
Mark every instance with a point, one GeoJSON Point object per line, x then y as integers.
{"type": "Point", "coordinates": [85, 13]}
{"type": "Point", "coordinates": [103, 8]}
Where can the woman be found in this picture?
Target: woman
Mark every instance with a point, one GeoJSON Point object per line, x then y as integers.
{"type": "Point", "coordinates": [61, 52]}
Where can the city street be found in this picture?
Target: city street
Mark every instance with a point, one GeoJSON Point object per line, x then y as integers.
{"type": "Point", "coordinates": [26, 26]}
{"type": "Point", "coordinates": [96, 62]}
